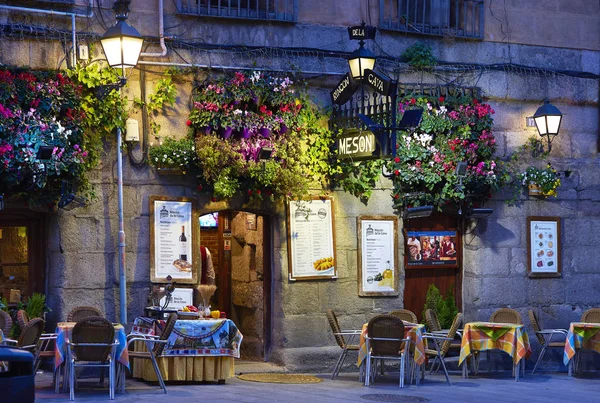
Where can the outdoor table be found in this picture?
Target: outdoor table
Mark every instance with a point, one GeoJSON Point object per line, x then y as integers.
{"type": "Point", "coordinates": [508, 337]}
{"type": "Point", "coordinates": [3, 364]}
{"type": "Point", "coordinates": [63, 334]}
{"type": "Point", "coordinates": [196, 350]}
{"type": "Point", "coordinates": [581, 335]}
{"type": "Point", "coordinates": [412, 331]}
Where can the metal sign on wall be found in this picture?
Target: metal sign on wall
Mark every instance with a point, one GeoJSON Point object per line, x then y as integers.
{"type": "Point", "coordinates": [357, 144]}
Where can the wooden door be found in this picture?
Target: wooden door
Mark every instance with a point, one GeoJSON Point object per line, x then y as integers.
{"type": "Point", "coordinates": [417, 280]}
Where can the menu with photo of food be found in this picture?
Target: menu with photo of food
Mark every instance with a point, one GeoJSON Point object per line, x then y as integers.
{"type": "Point", "coordinates": [311, 239]}
{"type": "Point", "coordinates": [544, 243]}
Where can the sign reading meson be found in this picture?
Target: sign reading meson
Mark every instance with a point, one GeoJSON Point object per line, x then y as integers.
{"type": "Point", "coordinates": [357, 144]}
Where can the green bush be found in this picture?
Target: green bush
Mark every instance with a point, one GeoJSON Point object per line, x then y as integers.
{"type": "Point", "coordinates": [445, 308]}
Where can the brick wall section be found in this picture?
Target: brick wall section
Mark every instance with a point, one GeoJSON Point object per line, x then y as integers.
{"type": "Point", "coordinates": [210, 239]}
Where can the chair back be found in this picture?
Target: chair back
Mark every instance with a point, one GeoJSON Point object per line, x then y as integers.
{"type": "Point", "coordinates": [385, 326]}
{"type": "Point", "coordinates": [432, 321]}
{"type": "Point", "coordinates": [335, 328]}
{"type": "Point", "coordinates": [536, 326]}
{"type": "Point", "coordinates": [591, 316]}
{"type": "Point", "coordinates": [22, 319]}
{"type": "Point", "coordinates": [30, 335]}
{"type": "Point", "coordinates": [458, 319]}
{"type": "Point", "coordinates": [506, 315]}
{"type": "Point", "coordinates": [160, 347]}
{"type": "Point", "coordinates": [93, 329]}
{"type": "Point", "coordinates": [5, 323]}
{"type": "Point", "coordinates": [405, 314]}
{"type": "Point", "coordinates": [82, 312]}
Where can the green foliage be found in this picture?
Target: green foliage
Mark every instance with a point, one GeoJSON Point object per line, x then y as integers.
{"type": "Point", "coordinates": [164, 95]}
{"type": "Point", "coordinates": [419, 56]}
{"type": "Point", "coordinates": [358, 178]}
{"type": "Point", "coordinates": [548, 179]}
{"type": "Point", "coordinates": [36, 305]}
{"type": "Point", "coordinates": [445, 308]}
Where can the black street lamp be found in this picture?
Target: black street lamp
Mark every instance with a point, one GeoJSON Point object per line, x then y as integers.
{"type": "Point", "coordinates": [547, 121]}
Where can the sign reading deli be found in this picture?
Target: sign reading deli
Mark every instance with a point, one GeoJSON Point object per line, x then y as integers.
{"type": "Point", "coordinates": [357, 144]}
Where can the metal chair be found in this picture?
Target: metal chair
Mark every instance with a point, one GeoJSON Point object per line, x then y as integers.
{"type": "Point", "coordinates": [440, 351]}
{"type": "Point", "coordinates": [30, 336]}
{"type": "Point", "coordinates": [82, 312]}
{"type": "Point", "coordinates": [385, 341]}
{"type": "Point", "coordinates": [545, 337]}
{"type": "Point", "coordinates": [339, 334]}
{"type": "Point", "coordinates": [92, 344]}
{"type": "Point", "coordinates": [406, 315]}
{"type": "Point", "coordinates": [6, 323]}
{"type": "Point", "coordinates": [155, 347]}
{"type": "Point", "coordinates": [591, 316]}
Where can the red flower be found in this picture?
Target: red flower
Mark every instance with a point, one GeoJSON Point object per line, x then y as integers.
{"type": "Point", "coordinates": [396, 172]}
{"type": "Point", "coordinates": [413, 101]}
{"type": "Point", "coordinates": [249, 192]}
{"type": "Point", "coordinates": [396, 196]}
{"type": "Point", "coordinates": [257, 191]}
{"type": "Point", "coordinates": [475, 101]}
{"type": "Point", "coordinates": [199, 188]}
{"type": "Point", "coordinates": [188, 123]}
{"type": "Point", "coordinates": [397, 146]}
{"type": "Point", "coordinates": [442, 99]}
{"type": "Point", "coordinates": [397, 160]}
{"type": "Point", "coordinates": [213, 199]}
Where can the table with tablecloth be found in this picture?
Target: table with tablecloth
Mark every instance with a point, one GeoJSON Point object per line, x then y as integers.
{"type": "Point", "coordinates": [508, 337]}
{"type": "Point", "coordinates": [196, 350]}
{"type": "Point", "coordinates": [581, 336]}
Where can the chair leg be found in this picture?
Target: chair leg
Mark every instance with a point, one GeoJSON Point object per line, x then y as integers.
{"type": "Point", "coordinates": [161, 381]}
{"type": "Point", "coordinates": [339, 363]}
{"type": "Point", "coordinates": [443, 364]}
{"type": "Point", "coordinates": [488, 361]}
{"type": "Point", "coordinates": [111, 379]}
{"type": "Point", "coordinates": [71, 381]}
{"type": "Point", "coordinates": [539, 359]}
{"type": "Point", "coordinates": [367, 370]}
{"type": "Point", "coordinates": [433, 365]}
{"type": "Point", "coordinates": [577, 360]}
{"type": "Point", "coordinates": [402, 370]}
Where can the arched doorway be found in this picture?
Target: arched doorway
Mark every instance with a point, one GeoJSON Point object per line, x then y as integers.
{"type": "Point", "coordinates": [240, 246]}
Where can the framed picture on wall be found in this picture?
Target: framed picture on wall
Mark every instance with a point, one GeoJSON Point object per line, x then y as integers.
{"type": "Point", "coordinates": [543, 247]}
{"type": "Point", "coordinates": [431, 249]}
{"type": "Point", "coordinates": [311, 239]}
{"type": "Point", "coordinates": [377, 255]}
{"type": "Point", "coordinates": [174, 240]}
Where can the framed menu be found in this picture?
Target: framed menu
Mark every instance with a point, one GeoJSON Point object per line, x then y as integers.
{"type": "Point", "coordinates": [543, 247]}
{"type": "Point", "coordinates": [174, 240]}
{"type": "Point", "coordinates": [311, 239]}
{"type": "Point", "coordinates": [377, 255]}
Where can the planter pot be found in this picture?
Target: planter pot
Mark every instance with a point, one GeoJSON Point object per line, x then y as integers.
{"type": "Point", "coordinates": [283, 129]}
{"type": "Point", "coordinates": [169, 170]}
{"type": "Point", "coordinates": [245, 133]}
{"type": "Point", "coordinates": [535, 190]}
{"type": "Point", "coordinates": [266, 133]}
{"type": "Point", "coordinates": [226, 132]}
{"type": "Point", "coordinates": [203, 130]}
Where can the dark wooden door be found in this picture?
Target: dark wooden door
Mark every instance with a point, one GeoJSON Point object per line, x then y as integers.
{"type": "Point", "coordinates": [417, 280]}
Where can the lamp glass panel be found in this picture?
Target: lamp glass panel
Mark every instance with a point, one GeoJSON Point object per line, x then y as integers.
{"type": "Point", "coordinates": [553, 123]}
{"type": "Point", "coordinates": [367, 63]}
{"type": "Point", "coordinates": [355, 67]}
{"type": "Point", "coordinates": [132, 47]}
{"type": "Point", "coordinates": [540, 123]}
{"type": "Point", "coordinates": [112, 51]}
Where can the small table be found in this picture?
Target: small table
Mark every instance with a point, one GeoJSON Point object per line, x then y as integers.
{"type": "Point", "coordinates": [412, 331]}
{"type": "Point", "coordinates": [581, 335]}
{"type": "Point", "coordinates": [508, 337]}
{"type": "Point", "coordinates": [197, 350]}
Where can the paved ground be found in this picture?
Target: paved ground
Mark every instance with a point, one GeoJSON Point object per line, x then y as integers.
{"type": "Point", "coordinates": [492, 387]}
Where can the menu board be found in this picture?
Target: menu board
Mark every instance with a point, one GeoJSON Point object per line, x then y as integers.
{"type": "Point", "coordinates": [311, 240]}
{"type": "Point", "coordinates": [544, 246]}
{"type": "Point", "coordinates": [173, 235]}
{"type": "Point", "coordinates": [378, 256]}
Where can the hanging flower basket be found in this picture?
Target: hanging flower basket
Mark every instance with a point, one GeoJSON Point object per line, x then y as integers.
{"type": "Point", "coordinates": [535, 190]}
{"type": "Point", "coordinates": [169, 170]}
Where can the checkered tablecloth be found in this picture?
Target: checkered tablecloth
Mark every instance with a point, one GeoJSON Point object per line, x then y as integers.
{"type": "Point", "coordinates": [413, 331]}
{"type": "Point", "coordinates": [581, 335]}
{"type": "Point", "coordinates": [510, 338]}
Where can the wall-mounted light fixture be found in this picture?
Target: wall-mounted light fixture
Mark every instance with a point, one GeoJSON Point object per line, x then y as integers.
{"type": "Point", "coordinates": [417, 212]}
{"type": "Point", "coordinates": [547, 121]}
{"type": "Point", "coordinates": [361, 59]}
{"type": "Point", "coordinates": [479, 212]}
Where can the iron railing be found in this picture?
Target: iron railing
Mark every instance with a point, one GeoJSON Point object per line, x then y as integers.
{"type": "Point", "coordinates": [272, 10]}
{"type": "Point", "coordinates": [451, 18]}
{"type": "Point", "coordinates": [375, 106]}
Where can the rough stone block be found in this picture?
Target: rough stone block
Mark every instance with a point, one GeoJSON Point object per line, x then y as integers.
{"type": "Point", "coordinates": [495, 292]}
{"type": "Point", "coordinates": [578, 232]}
{"type": "Point", "coordinates": [545, 291]}
{"type": "Point", "coordinates": [487, 262]}
{"type": "Point", "coordinates": [498, 233]}
{"type": "Point", "coordinates": [138, 240]}
{"type": "Point", "coordinates": [343, 297]}
{"type": "Point", "coordinates": [305, 331]}
{"type": "Point", "coordinates": [345, 233]}
{"type": "Point", "coordinates": [300, 298]}
{"type": "Point", "coordinates": [518, 261]}
{"type": "Point", "coordinates": [559, 316]}
{"type": "Point", "coordinates": [582, 259]}
{"type": "Point", "coordinates": [90, 270]}
{"type": "Point", "coordinates": [138, 267]}
{"type": "Point", "coordinates": [101, 298]}
{"type": "Point", "coordinates": [247, 294]}
{"type": "Point", "coordinates": [583, 289]}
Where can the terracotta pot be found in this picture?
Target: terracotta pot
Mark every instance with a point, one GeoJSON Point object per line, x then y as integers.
{"type": "Point", "coordinates": [535, 190]}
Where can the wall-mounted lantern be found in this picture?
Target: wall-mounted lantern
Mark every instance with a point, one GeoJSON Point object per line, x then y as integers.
{"type": "Point", "coordinates": [547, 120]}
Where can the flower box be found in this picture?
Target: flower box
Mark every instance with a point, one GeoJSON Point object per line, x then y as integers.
{"type": "Point", "coordinates": [535, 190]}
{"type": "Point", "coordinates": [169, 170]}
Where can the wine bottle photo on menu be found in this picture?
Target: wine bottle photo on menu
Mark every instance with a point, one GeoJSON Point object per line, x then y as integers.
{"type": "Point", "coordinates": [183, 244]}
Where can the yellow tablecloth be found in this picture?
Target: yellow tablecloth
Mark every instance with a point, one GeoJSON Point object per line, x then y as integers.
{"type": "Point", "coordinates": [581, 335]}
{"type": "Point", "coordinates": [510, 338]}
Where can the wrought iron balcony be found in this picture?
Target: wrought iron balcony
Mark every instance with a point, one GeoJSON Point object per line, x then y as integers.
{"type": "Point", "coordinates": [270, 10]}
{"type": "Point", "coordinates": [452, 18]}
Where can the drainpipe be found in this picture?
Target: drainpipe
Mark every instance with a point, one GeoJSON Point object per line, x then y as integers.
{"type": "Point", "coordinates": [90, 14]}
{"type": "Point", "coordinates": [161, 33]}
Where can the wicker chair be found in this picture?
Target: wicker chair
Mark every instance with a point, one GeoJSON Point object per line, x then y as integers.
{"type": "Point", "coordinates": [155, 347]}
{"type": "Point", "coordinates": [432, 321]}
{"type": "Point", "coordinates": [344, 344]}
{"type": "Point", "coordinates": [591, 316]}
{"type": "Point", "coordinates": [92, 344]}
{"type": "Point", "coordinates": [22, 318]}
{"type": "Point", "coordinates": [5, 323]}
{"type": "Point", "coordinates": [406, 315]}
{"type": "Point", "coordinates": [30, 336]}
{"type": "Point", "coordinates": [439, 353]}
{"type": "Point", "coordinates": [506, 315]}
{"type": "Point", "coordinates": [385, 341]}
{"type": "Point", "coordinates": [545, 337]}
{"type": "Point", "coordinates": [82, 312]}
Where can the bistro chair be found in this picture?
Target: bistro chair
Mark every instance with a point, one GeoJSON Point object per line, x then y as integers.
{"type": "Point", "coordinates": [22, 318]}
{"type": "Point", "coordinates": [406, 315]}
{"type": "Point", "coordinates": [82, 312]}
{"type": "Point", "coordinates": [344, 344]}
{"type": "Point", "coordinates": [385, 341]}
{"type": "Point", "coordinates": [591, 316]}
{"type": "Point", "coordinates": [30, 336]}
{"type": "Point", "coordinates": [5, 323]}
{"type": "Point", "coordinates": [432, 321]}
{"type": "Point", "coordinates": [441, 349]}
{"type": "Point", "coordinates": [92, 344]}
{"type": "Point", "coordinates": [545, 337]}
{"type": "Point", "coordinates": [506, 315]}
{"type": "Point", "coordinates": [155, 347]}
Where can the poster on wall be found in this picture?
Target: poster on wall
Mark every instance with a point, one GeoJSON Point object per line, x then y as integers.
{"type": "Point", "coordinates": [173, 240]}
{"type": "Point", "coordinates": [431, 249]}
{"type": "Point", "coordinates": [311, 239]}
{"type": "Point", "coordinates": [377, 255]}
{"type": "Point", "coordinates": [543, 235]}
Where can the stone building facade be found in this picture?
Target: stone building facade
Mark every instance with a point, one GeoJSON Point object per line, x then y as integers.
{"type": "Point", "coordinates": [528, 51]}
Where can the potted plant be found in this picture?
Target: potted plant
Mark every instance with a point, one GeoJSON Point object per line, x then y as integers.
{"type": "Point", "coordinates": [541, 182]}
